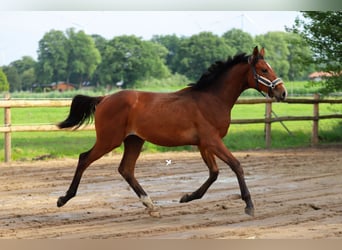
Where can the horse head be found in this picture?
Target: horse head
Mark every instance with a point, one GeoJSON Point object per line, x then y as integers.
{"type": "Point", "coordinates": [263, 78]}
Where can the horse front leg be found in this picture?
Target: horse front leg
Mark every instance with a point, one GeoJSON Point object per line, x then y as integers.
{"type": "Point", "coordinates": [225, 155]}
{"type": "Point", "coordinates": [209, 160]}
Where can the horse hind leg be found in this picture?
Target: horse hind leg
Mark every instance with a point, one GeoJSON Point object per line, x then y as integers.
{"type": "Point", "coordinates": [132, 149]}
{"type": "Point", "coordinates": [84, 161]}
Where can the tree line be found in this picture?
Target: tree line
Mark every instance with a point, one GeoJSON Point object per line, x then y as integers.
{"type": "Point", "coordinates": [82, 59]}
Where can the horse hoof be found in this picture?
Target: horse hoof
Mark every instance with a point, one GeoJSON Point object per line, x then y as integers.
{"type": "Point", "coordinates": [185, 198]}
{"type": "Point", "coordinates": [60, 202]}
{"type": "Point", "coordinates": [155, 214]}
{"type": "Point", "coordinates": [249, 211]}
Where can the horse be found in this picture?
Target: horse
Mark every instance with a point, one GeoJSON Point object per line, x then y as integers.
{"type": "Point", "coordinates": [198, 115]}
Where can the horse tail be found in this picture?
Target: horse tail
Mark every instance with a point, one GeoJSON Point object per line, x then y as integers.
{"type": "Point", "coordinates": [81, 111]}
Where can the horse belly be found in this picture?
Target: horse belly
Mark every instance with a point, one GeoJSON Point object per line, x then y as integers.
{"type": "Point", "coordinates": [167, 130]}
{"type": "Point", "coordinates": [173, 138]}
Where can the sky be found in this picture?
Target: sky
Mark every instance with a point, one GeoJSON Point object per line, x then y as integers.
{"type": "Point", "coordinates": [22, 30]}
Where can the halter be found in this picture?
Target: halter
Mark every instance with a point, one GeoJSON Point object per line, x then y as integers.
{"type": "Point", "coordinates": [264, 81]}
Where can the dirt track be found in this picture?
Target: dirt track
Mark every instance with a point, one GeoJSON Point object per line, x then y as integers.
{"type": "Point", "coordinates": [297, 194]}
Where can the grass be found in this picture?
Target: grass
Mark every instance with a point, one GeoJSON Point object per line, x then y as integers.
{"type": "Point", "coordinates": [38, 145]}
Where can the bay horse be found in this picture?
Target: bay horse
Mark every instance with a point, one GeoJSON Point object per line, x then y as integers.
{"type": "Point", "coordinates": [198, 115]}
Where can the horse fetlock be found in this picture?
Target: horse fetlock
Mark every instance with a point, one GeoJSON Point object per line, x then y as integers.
{"type": "Point", "coordinates": [249, 207]}
{"type": "Point", "coordinates": [152, 210]}
{"type": "Point", "coordinates": [147, 202]}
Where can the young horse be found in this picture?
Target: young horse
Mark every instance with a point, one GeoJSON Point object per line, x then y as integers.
{"type": "Point", "coordinates": [196, 115]}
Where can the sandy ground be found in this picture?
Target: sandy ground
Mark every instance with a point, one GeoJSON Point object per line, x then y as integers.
{"type": "Point", "coordinates": [297, 194]}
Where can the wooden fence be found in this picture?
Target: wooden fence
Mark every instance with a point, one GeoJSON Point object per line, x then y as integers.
{"type": "Point", "coordinates": [7, 128]}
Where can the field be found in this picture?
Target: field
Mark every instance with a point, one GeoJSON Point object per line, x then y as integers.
{"type": "Point", "coordinates": [53, 145]}
{"type": "Point", "coordinates": [39, 145]}
{"type": "Point", "coordinates": [297, 195]}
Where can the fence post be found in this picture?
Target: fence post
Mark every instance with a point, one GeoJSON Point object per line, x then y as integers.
{"type": "Point", "coordinates": [314, 136]}
{"type": "Point", "coordinates": [268, 116]}
{"type": "Point", "coordinates": [7, 123]}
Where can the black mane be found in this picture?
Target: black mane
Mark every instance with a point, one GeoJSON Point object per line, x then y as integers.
{"type": "Point", "coordinates": [217, 69]}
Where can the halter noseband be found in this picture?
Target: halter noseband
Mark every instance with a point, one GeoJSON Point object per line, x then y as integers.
{"type": "Point", "coordinates": [264, 81]}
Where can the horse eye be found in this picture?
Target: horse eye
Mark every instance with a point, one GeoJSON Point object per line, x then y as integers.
{"type": "Point", "coordinates": [264, 70]}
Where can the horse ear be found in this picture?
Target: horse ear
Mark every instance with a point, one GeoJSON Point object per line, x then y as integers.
{"type": "Point", "coordinates": [255, 51]}
{"type": "Point", "coordinates": [253, 57]}
{"type": "Point", "coordinates": [262, 52]}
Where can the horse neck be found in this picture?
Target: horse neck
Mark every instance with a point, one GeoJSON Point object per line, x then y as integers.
{"type": "Point", "coordinates": [232, 84]}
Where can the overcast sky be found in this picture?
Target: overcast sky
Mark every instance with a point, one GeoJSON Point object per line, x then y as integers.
{"type": "Point", "coordinates": [21, 30]}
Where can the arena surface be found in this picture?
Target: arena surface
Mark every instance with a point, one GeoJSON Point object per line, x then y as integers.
{"type": "Point", "coordinates": [296, 192]}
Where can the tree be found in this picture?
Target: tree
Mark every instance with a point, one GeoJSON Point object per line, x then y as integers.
{"type": "Point", "coordinates": [25, 68]}
{"type": "Point", "coordinates": [83, 56]}
{"type": "Point", "coordinates": [172, 43]}
{"type": "Point", "coordinates": [12, 77]}
{"type": "Point", "coordinates": [4, 86]}
{"type": "Point", "coordinates": [323, 32]}
{"type": "Point", "coordinates": [277, 51]}
{"type": "Point", "coordinates": [53, 53]}
{"type": "Point", "coordinates": [128, 59]}
{"type": "Point", "coordinates": [198, 52]}
{"type": "Point", "coordinates": [299, 51]}
{"type": "Point", "coordinates": [100, 44]}
{"type": "Point", "coordinates": [154, 57]}
{"type": "Point", "coordinates": [66, 57]}
{"type": "Point", "coordinates": [239, 41]}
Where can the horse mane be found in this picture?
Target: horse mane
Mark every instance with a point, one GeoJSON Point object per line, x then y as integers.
{"type": "Point", "coordinates": [216, 70]}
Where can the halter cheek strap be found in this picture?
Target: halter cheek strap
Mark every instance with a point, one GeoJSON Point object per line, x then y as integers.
{"type": "Point", "coordinates": [264, 81]}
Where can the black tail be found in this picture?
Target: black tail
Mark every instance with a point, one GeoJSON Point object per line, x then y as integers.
{"type": "Point", "coordinates": [82, 110]}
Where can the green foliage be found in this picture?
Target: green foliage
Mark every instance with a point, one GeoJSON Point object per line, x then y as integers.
{"type": "Point", "coordinates": [172, 44]}
{"type": "Point", "coordinates": [26, 71]}
{"type": "Point", "coordinates": [198, 52]}
{"type": "Point", "coordinates": [299, 57]}
{"type": "Point", "coordinates": [66, 57]}
{"type": "Point", "coordinates": [73, 56]}
{"type": "Point", "coordinates": [4, 86]}
{"type": "Point", "coordinates": [83, 57]}
{"type": "Point", "coordinates": [239, 41]}
{"type": "Point", "coordinates": [21, 74]}
{"type": "Point", "coordinates": [13, 78]}
{"type": "Point", "coordinates": [53, 53]}
{"type": "Point", "coordinates": [277, 52]}
{"type": "Point", "coordinates": [323, 32]}
{"type": "Point", "coordinates": [129, 59]}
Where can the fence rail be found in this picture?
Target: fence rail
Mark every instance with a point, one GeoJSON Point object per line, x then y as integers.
{"type": "Point", "coordinates": [7, 128]}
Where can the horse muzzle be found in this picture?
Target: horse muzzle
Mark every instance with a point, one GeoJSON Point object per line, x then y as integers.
{"type": "Point", "coordinates": [280, 92]}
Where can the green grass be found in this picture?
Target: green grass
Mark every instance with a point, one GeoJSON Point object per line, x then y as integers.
{"type": "Point", "coordinates": [31, 145]}
{"type": "Point", "coordinates": [59, 144]}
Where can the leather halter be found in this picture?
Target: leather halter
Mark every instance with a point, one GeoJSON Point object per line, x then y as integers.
{"type": "Point", "coordinates": [264, 81]}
